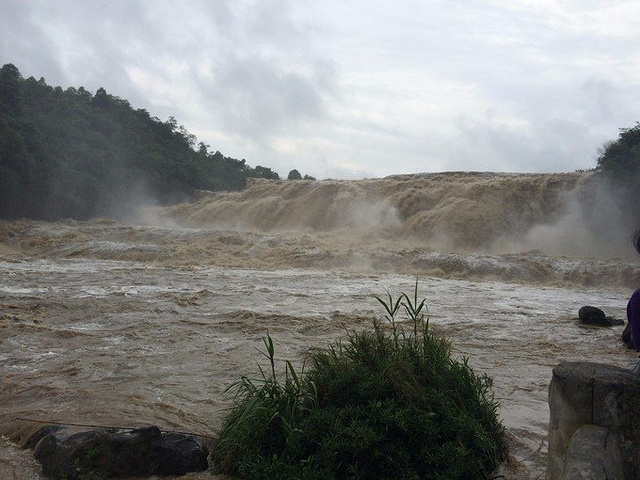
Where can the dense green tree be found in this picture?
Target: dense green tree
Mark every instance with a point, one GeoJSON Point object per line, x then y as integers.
{"type": "Point", "coordinates": [68, 153]}
{"type": "Point", "coordinates": [100, 99]}
{"type": "Point", "coordinates": [18, 144]}
{"type": "Point", "coordinates": [619, 164]}
{"type": "Point", "coordinates": [294, 175]}
{"type": "Point", "coordinates": [265, 172]}
{"type": "Point", "coordinates": [620, 159]}
{"type": "Point", "coordinates": [10, 80]}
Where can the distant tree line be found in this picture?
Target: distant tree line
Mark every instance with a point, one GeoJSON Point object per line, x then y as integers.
{"type": "Point", "coordinates": [71, 154]}
{"type": "Point", "coordinates": [619, 164]}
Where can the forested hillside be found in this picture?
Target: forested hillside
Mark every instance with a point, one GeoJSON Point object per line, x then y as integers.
{"type": "Point", "coordinates": [71, 154]}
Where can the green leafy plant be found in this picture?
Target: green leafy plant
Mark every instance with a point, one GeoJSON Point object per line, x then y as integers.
{"type": "Point", "coordinates": [265, 415]}
{"type": "Point", "coordinates": [387, 403]}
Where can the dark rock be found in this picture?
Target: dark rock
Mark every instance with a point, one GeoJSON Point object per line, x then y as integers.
{"type": "Point", "coordinates": [615, 322]}
{"type": "Point", "coordinates": [607, 396]}
{"type": "Point", "coordinates": [594, 316]}
{"type": "Point", "coordinates": [627, 338]}
{"type": "Point", "coordinates": [189, 459]}
{"type": "Point", "coordinates": [108, 453]}
{"type": "Point", "coordinates": [40, 434]}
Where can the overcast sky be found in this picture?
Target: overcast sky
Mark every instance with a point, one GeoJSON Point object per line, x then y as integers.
{"type": "Point", "coordinates": [353, 89]}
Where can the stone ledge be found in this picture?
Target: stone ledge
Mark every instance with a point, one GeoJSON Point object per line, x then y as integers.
{"type": "Point", "coordinates": [593, 453]}
{"type": "Point", "coordinates": [606, 396]}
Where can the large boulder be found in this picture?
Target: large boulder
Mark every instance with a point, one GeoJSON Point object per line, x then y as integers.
{"type": "Point", "coordinates": [109, 453]}
{"type": "Point", "coordinates": [606, 396]}
{"type": "Point", "coordinates": [589, 315]}
{"type": "Point", "coordinates": [593, 453]}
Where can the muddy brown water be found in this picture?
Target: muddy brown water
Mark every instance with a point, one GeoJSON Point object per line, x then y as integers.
{"type": "Point", "coordinates": [123, 324]}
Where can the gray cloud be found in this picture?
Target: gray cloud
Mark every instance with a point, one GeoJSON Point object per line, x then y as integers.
{"type": "Point", "coordinates": [267, 76]}
{"type": "Point", "coordinates": [353, 88]}
{"type": "Point", "coordinates": [24, 44]}
{"type": "Point", "coordinates": [539, 147]}
{"type": "Point", "coordinates": [257, 97]}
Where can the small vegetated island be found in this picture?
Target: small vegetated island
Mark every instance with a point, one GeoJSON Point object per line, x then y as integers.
{"type": "Point", "coordinates": [391, 402]}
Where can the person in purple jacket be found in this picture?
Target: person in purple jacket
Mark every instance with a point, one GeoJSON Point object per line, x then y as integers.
{"type": "Point", "coordinates": [633, 315]}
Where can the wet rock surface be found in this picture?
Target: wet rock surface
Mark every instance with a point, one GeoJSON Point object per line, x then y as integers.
{"type": "Point", "coordinates": [605, 399]}
{"type": "Point", "coordinates": [594, 452]}
{"type": "Point", "coordinates": [589, 315]}
{"type": "Point", "coordinates": [107, 453]}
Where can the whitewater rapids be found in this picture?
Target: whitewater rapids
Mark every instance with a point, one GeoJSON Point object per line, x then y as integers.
{"type": "Point", "coordinates": [148, 322]}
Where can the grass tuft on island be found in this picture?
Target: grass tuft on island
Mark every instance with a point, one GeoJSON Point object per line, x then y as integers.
{"type": "Point", "coordinates": [386, 403]}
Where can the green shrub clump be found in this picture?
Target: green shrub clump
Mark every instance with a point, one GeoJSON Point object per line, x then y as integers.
{"type": "Point", "coordinates": [387, 403]}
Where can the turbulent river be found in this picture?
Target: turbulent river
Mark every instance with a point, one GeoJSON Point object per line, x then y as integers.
{"type": "Point", "coordinates": [148, 322]}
